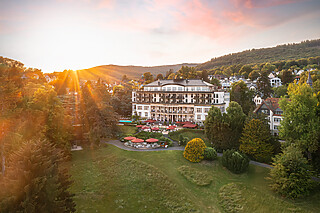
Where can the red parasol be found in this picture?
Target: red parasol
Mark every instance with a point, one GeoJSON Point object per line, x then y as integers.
{"type": "Point", "coordinates": [152, 140]}
{"type": "Point", "coordinates": [130, 138]}
{"type": "Point", "coordinates": [139, 126]}
{"type": "Point", "coordinates": [137, 140]}
{"type": "Point", "coordinates": [155, 128]}
{"type": "Point", "coordinates": [145, 127]}
{"type": "Point", "coordinates": [189, 125]}
{"type": "Point", "coordinates": [150, 121]}
{"type": "Point", "coordinates": [171, 127]}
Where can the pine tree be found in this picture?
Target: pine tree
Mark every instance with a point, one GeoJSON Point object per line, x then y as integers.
{"type": "Point", "coordinates": [35, 181]}
{"type": "Point", "coordinates": [256, 141]}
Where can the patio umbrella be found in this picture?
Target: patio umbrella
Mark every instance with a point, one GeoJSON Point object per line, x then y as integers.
{"type": "Point", "coordinates": [139, 126]}
{"type": "Point", "coordinates": [152, 140]}
{"type": "Point", "coordinates": [149, 121]}
{"type": "Point", "coordinates": [129, 138]}
{"type": "Point", "coordinates": [145, 127]}
{"type": "Point", "coordinates": [137, 140]}
{"type": "Point", "coordinates": [155, 129]}
{"type": "Point", "coordinates": [171, 127]}
{"type": "Point", "coordinates": [189, 125]}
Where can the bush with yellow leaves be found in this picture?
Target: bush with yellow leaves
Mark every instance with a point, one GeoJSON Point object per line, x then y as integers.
{"type": "Point", "coordinates": [194, 150]}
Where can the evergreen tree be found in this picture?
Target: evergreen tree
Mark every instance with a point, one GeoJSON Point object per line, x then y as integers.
{"type": "Point", "coordinates": [241, 94]}
{"type": "Point", "coordinates": [256, 141]}
{"type": "Point", "coordinates": [224, 130]}
{"type": "Point", "coordinates": [263, 85]}
{"type": "Point", "coordinates": [291, 174]}
{"type": "Point", "coordinates": [35, 181]}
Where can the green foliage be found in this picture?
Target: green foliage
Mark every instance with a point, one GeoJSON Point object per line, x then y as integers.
{"type": "Point", "coordinates": [280, 91]}
{"type": "Point", "coordinates": [231, 198]}
{"type": "Point", "coordinates": [263, 85]}
{"type": "Point", "coordinates": [291, 174]}
{"type": "Point", "coordinates": [148, 77]}
{"type": "Point", "coordinates": [35, 181]}
{"type": "Point", "coordinates": [215, 82]}
{"type": "Point", "coordinates": [241, 94]}
{"type": "Point", "coordinates": [304, 49]}
{"type": "Point", "coordinates": [194, 150]}
{"type": "Point", "coordinates": [210, 153]}
{"type": "Point", "coordinates": [195, 176]}
{"type": "Point", "coordinates": [235, 161]}
{"type": "Point", "coordinates": [183, 140]}
{"type": "Point", "coordinates": [224, 130]}
{"type": "Point", "coordinates": [286, 77]}
{"type": "Point", "coordinates": [256, 141]}
{"type": "Point", "coordinates": [98, 117]}
{"type": "Point", "coordinates": [146, 135]}
{"type": "Point", "coordinates": [188, 134]}
{"type": "Point", "coordinates": [301, 124]}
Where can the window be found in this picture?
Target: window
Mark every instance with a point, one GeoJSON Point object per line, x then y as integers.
{"type": "Point", "coordinates": [206, 110]}
{"type": "Point", "coordinates": [146, 107]}
{"type": "Point", "coordinates": [174, 88]}
{"type": "Point", "coordinates": [277, 120]}
{"type": "Point", "coordinates": [275, 127]}
{"type": "Point", "coordinates": [199, 117]}
{"type": "Point", "coordinates": [146, 114]}
{"type": "Point", "coordinates": [139, 107]}
{"type": "Point", "coordinates": [139, 114]}
{"type": "Point", "coordinates": [180, 88]}
{"type": "Point", "coordinates": [199, 110]}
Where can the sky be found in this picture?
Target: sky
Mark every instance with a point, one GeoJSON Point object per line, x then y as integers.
{"type": "Point", "coordinates": [54, 35]}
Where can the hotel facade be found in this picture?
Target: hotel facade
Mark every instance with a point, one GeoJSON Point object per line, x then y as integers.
{"type": "Point", "coordinates": [178, 100]}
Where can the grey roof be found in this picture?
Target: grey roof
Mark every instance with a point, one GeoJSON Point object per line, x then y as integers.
{"type": "Point", "coordinates": [181, 82]}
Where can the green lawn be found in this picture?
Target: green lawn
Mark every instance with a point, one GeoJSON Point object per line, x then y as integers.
{"type": "Point", "coordinates": [113, 180]}
{"type": "Point", "coordinates": [125, 130]}
{"type": "Point", "coordinates": [190, 133]}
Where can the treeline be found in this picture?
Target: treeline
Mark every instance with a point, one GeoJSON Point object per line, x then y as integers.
{"type": "Point", "coordinates": [295, 161]}
{"type": "Point", "coordinates": [34, 143]}
{"type": "Point", "coordinates": [285, 52]}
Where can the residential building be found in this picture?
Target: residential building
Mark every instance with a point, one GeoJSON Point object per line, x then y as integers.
{"type": "Point", "coordinates": [178, 100]}
{"type": "Point", "coordinates": [257, 100]}
{"type": "Point", "coordinates": [270, 107]}
{"type": "Point", "coordinates": [275, 82]}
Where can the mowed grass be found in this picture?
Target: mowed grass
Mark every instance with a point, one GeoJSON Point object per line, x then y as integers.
{"type": "Point", "coordinates": [128, 129]}
{"type": "Point", "coordinates": [190, 133]}
{"type": "Point", "coordinates": [113, 180]}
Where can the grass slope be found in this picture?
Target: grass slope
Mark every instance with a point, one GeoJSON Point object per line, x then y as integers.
{"type": "Point", "coordinates": [113, 180]}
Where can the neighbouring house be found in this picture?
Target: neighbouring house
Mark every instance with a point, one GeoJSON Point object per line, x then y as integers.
{"type": "Point", "coordinates": [178, 100]}
{"type": "Point", "coordinates": [257, 100]}
{"type": "Point", "coordinates": [270, 107]}
{"type": "Point", "coordinates": [275, 82]}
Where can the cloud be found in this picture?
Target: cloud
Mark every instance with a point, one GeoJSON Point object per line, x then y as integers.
{"type": "Point", "coordinates": [262, 3]}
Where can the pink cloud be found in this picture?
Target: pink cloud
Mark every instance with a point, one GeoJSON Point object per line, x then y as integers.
{"type": "Point", "coordinates": [262, 3]}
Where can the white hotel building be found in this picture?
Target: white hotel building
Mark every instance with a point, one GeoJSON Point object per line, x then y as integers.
{"type": "Point", "coordinates": [178, 100]}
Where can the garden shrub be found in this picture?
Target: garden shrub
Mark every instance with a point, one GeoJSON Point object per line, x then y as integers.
{"type": "Point", "coordinates": [194, 150]}
{"type": "Point", "coordinates": [210, 153]}
{"type": "Point", "coordinates": [230, 198]}
{"type": "Point", "coordinates": [291, 174]}
{"type": "Point", "coordinates": [195, 176]}
{"type": "Point", "coordinates": [183, 140]}
{"type": "Point", "coordinates": [235, 161]}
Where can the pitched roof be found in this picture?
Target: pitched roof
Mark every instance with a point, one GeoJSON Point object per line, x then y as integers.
{"type": "Point", "coordinates": [271, 103]}
{"type": "Point", "coordinates": [182, 82]}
